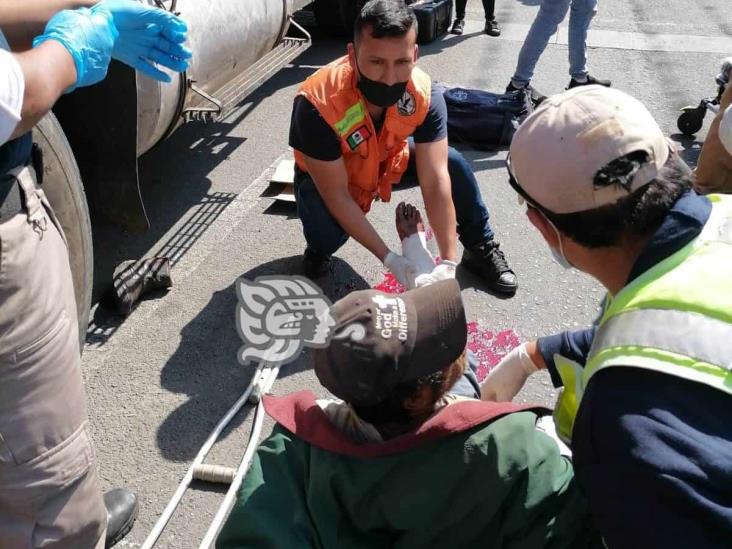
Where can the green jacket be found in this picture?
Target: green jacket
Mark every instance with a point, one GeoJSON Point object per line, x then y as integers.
{"type": "Point", "coordinates": [477, 474]}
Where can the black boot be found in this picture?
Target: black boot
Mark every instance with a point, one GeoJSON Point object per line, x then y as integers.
{"type": "Point", "coordinates": [122, 508]}
{"type": "Point", "coordinates": [133, 278]}
{"type": "Point", "coordinates": [314, 264]}
{"type": "Point", "coordinates": [487, 261]}
{"type": "Point", "coordinates": [590, 81]}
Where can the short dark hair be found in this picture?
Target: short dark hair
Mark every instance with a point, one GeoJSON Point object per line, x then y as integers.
{"type": "Point", "coordinates": [385, 18]}
{"type": "Point", "coordinates": [636, 215]}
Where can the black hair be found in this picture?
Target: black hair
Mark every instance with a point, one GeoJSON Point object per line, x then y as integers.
{"type": "Point", "coordinates": [384, 18]}
{"type": "Point", "coordinates": [391, 411]}
{"type": "Point", "coordinates": [636, 215]}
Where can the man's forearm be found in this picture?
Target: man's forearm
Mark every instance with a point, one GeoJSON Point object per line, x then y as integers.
{"type": "Point", "coordinates": [48, 71]}
{"type": "Point", "coordinates": [441, 215]}
{"type": "Point", "coordinates": [22, 20]}
{"type": "Point", "coordinates": [354, 222]}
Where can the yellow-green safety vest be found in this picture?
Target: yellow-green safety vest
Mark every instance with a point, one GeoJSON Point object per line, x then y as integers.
{"type": "Point", "coordinates": [675, 318]}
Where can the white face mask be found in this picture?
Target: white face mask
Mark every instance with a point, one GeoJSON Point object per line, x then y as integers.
{"type": "Point", "coordinates": [558, 255]}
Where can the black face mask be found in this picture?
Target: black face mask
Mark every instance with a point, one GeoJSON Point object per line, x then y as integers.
{"type": "Point", "coordinates": [378, 93]}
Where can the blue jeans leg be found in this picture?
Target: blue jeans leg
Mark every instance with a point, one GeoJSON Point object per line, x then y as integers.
{"type": "Point", "coordinates": [580, 16]}
{"type": "Point", "coordinates": [468, 384]}
{"type": "Point", "coordinates": [551, 14]}
{"type": "Point", "coordinates": [472, 215]}
{"type": "Point", "coordinates": [322, 232]}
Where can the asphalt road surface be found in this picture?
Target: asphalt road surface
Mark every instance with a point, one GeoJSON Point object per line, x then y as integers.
{"type": "Point", "coordinates": [158, 382]}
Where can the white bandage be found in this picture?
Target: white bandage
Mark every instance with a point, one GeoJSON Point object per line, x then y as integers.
{"type": "Point", "coordinates": [414, 248]}
{"type": "Point", "coordinates": [401, 268]}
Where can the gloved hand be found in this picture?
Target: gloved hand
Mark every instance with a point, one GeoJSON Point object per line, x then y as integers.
{"type": "Point", "coordinates": [442, 271]}
{"type": "Point", "coordinates": [88, 36]}
{"type": "Point", "coordinates": [399, 266]}
{"type": "Point", "coordinates": [148, 34]}
{"type": "Point", "coordinates": [508, 377]}
{"type": "Point", "coordinates": [445, 269]}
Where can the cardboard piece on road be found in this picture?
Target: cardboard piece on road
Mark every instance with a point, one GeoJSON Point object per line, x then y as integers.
{"type": "Point", "coordinates": [281, 185]}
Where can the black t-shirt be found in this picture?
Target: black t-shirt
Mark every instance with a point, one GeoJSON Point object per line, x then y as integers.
{"type": "Point", "coordinates": [311, 135]}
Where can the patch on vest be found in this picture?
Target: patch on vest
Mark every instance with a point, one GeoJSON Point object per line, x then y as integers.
{"type": "Point", "coordinates": [358, 136]}
{"type": "Point", "coordinates": [406, 105]}
{"type": "Point", "coordinates": [355, 114]}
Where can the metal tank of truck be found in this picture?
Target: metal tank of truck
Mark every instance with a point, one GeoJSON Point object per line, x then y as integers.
{"type": "Point", "coordinates": [95, 136]}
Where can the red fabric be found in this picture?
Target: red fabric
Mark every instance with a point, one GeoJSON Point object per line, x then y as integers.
{"type": "Point", "coordinates": [300, 414]}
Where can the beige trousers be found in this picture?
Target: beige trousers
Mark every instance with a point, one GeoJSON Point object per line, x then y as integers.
{"type": "Point", "coordinates": [49, 491]}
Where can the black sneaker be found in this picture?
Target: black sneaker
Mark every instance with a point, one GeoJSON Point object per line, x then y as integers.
{"type": "Point", "coordinates": [315, 265]}
{"type": "Point", "coordinates": [590, 80]}
{"type": "Point", "coordinates": [458, 27]}
{"type": "Point", "coordinates": [492, 28]}
{"type": "Point", "coordinates": [536, 96]}
{"type": "Point", "coordinates": [487, 261]}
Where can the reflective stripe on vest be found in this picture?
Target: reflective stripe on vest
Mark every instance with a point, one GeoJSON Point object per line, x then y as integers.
{"type": "Point", "coordinates": [670, 331]}
{"type": "Point", "coordinates": [676, 318]}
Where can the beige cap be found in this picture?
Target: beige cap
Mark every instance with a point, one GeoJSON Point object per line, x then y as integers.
{"type": "Point", "coordinates": [559, 148]}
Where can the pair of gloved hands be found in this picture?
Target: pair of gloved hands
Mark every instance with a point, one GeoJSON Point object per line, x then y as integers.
{"type": "Point", "coordinates": [416, 266]}
{"type": "Point", "coordinates": [126, 30]}
{"type": "Point", "coordinates": [411, 275]}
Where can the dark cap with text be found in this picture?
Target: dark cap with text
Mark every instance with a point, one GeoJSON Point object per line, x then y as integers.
{"type": "Point", "coordinates": [381, 340]}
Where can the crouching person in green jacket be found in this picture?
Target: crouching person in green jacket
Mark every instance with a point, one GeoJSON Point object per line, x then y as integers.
{"type": "Point", "coordinates": [398, 461]}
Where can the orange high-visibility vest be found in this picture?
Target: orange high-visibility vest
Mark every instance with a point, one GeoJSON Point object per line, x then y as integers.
{"type": "Point", "coordinates": [373, 162]}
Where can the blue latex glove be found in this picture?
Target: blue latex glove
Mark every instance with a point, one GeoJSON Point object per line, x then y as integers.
{"type": "Point", "coordinates": [88, 36]}
{"type": "Point", "coordinates": [146, 35]}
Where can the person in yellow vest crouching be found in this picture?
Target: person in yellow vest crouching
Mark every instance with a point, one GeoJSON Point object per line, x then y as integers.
{"type": "Point", "coordinates": [647, 390]}
{"type": "Point", "coordinates": [363, 123]}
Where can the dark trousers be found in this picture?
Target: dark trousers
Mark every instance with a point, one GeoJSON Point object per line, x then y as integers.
{"type": "Point", "coordinates": [489, 6]}
{"type": "Point", "coordinates": [324, 235]}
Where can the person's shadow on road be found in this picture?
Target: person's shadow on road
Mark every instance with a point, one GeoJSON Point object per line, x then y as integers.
{"type": "Point", "coordinates": [205, 366]}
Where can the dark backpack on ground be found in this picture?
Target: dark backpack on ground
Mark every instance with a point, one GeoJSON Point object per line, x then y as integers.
{"type": "Point", "coordinates": [483, 120]}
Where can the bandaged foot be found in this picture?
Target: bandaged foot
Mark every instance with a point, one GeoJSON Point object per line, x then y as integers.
{"type": "Point", "coordinates": [410, 229]}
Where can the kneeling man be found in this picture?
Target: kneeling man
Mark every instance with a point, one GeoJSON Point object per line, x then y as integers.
{"type": "Point", "coordinates": [354, 124]}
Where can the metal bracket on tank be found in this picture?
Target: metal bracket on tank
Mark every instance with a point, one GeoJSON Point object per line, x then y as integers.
{"type": "Point", "coordinates": [203, 114]}
{"type": "Point", "coordinates": [239, 87]}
